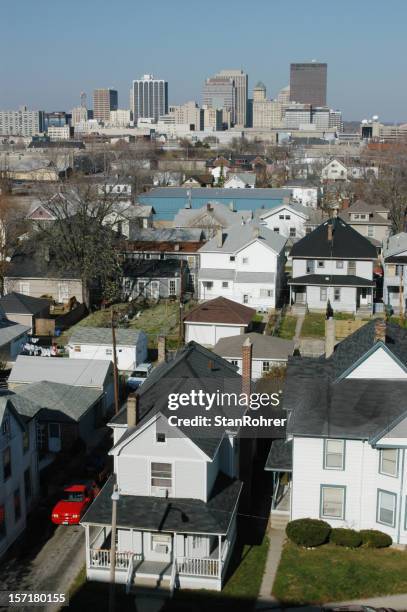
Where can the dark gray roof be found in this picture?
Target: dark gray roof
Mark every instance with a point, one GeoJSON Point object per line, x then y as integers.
{"type": "Point", "coordinates": [333, 280]}
{"type": "Point", "coordinates": [264, 347]}
{"type": "Point", "coordinates": [280, 457]}
{"type": "Point", "coordinates": [346, 243]}
{"type": "Point", "coordinates": [152, 268]}
{"type": "Point", "coordinates": [166, 234]}
{"type": "Point", "coordinates": [180, 515]}
{"type": "Point", "coordinates": [34, 259]}
{"type": "Point", "coordinates": [103, 335]}
{"type": "Point", "coordinates": [18, 303]}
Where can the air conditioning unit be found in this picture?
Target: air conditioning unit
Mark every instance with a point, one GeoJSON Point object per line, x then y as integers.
{"type": "Point", "coordinates": [161, 491]}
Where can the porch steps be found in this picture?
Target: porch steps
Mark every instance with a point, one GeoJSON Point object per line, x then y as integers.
{"type": "Point", "coordinates": [157, 583]}
{"type": "Point", "coordinates": [279, 520]}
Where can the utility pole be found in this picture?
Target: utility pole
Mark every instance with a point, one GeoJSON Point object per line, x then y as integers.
{"type": "Point", "coordinates": [115, 499]}
{"type": "Point", "coordinates": [115, 374]}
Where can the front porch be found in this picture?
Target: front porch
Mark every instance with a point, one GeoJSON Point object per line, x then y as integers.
{"type": "Point", "coordinates": [354, 299]}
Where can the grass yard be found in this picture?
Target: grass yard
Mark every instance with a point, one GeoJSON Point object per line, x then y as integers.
{"type": "Point", "coordinates": [287, 327]}
{"type": "Point", "coordinates": [314, 325]}
{"type": "Point", "coordinates": [344, 316]}
{"type": "Point", "coordinates": [333, 573]}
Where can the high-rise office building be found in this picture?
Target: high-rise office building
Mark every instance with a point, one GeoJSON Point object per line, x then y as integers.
{"type": "Point", "coordinates": [22, 122]}
{"type": "Point", "coordinates": [149, 98]}
{"type": "Point", "coordinates": [308, 83]}
{"type": "Point", "coordinates": [104, 101]}
{"type": "Point", "coordinates": [220, 93]}
{"type": "Point", "coordinates": [259, 92]}
{"type": "Point", "coordinates": [240, 80]}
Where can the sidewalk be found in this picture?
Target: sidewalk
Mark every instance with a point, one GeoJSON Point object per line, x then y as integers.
{"type": "Point", "coordinates": [397, 602]}
{"type": "Point", "coordinates": [265, 598]}
{"type": "Point", "coordinates": [298, 326]}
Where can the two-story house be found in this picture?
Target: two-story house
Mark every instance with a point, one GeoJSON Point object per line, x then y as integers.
{"type": "Point", "coordinates": [177, 486]}
{"type": "Point", "coordinates": [19, 480]}
{"type": "Point", "coordinates": [291, 220]}
{"type": "Point", "coordinates": [346, 433]}
{"type": "Point", "coordinates": [334, 262]}
{"type": "Point", "coordinates": [395, 272]}
{"type": "Point", "coordinates": [369, 220]}
{"type": "Point", "coordinates": [244, 263]}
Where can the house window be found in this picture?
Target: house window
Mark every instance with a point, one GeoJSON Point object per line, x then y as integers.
{"type": "Point", "coordinates": [27, 484]}
{"type": "Point", "coordinates": [24, 288]}
{"type": "Point", "coordinates": [26, 440]}
{"type": "Point", "coordinates": [320, 264]}
{"type": "Point", "coordinates": [370, 231]}
{"type": "Point", "coordinates": [172, 287]}
{"type": "Point", "coordinates": [2, 521]}
{"type": "Point", "coordinates": [266, 366]}
{"type": "Point", "coordinates": [161, 477]}
{"type": "Point", "coordinates": [141, 287]}
{"type": "Point", "coordinates": [339, 265]}
{"type": "Point", "coordinates": [245, 260]}
{"type": "Point", "coordinates": [292, 232]}
{"type": "Point", "coordinates": [266, 292]}
{"type": "Point", "coordinates": [207, 284]}
{"type": "Point", "coordinates": [196, 542]}
{"type": "Point", "coordinates": [162, 255]}
{"type": "Point", "coordinates": [54, 430]}
{"type": "Point", "coordinates": [77, 349]}
{"type": "Point", "coordinates": [337, 294]}
{"type": "Point", "coordinates": [232, 258]}
{"type": "Point", "coordinates": [109, 351]}
{"type": "Point", "coordinates": [276, 230]}
{"type": "Point", "coordinates": [388, 461]}
{"type": "Point", "coordinates": [332, 502]}
{"type": "Point", "coordinates": [308, 230]}
{"type": "Point", "coordinates": [334, 454]}
{"type": "Point", "coordinates": [245, 299]}
{"type": "Point", "coordinates": [234, 362]}
{"type": "Point", "coordinates": [323, 294]}
{"type": "Point", "coordinates": [225, 284]}
{"type": "Point", "coordinates": [6, 463]}
{"type": "Point", "coordinates": [386, 508]}
{"type": "Point", "coordinates": [160, 542]}
{"type": "Point", "coordinates": [17, 505]}
{"type": "Point", "coordinates": [160, 438]}
{"type": "Point", "coordinates": [281, 216]}
{"type": "Point", "coordinates": [288, 217]}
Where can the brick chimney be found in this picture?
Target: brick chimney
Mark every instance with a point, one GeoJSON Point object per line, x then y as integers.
{"type": "Point", "coordinates": [219, 238]}
{"type": "Point", "coordinates": [132, 402]}
{"type": "Point", "coordinates": [161, 349]}
{"type": "Point", "coordinates": [380, 330]}
{"type": "Point", "coordinates": [256, 231]}
{"type": "Point", "coordinates": [345, 203]}
{"type": "Point", "coordinates": [247, 350]}
{"type": "Point", "coordinates": [329, 228]}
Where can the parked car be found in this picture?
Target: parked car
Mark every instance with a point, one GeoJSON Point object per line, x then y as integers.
{"type": "Point", "coordinates": [139, 375]}
{"type": "Point", "coordinates": [75, 501]}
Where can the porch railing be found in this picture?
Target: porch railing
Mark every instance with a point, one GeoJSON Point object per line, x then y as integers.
{"type": "Point", "coordinates": [100, 558]}
{"type": "Point", "coordinates": [198, 566]}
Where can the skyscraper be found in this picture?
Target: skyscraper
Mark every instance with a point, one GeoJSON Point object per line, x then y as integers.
{"type": "Point", "coordinates": [240, 80]}
{"type": "Point", "coordinates": [220, 93]}
{"type": "Point", "coordinates": [149, 98]}
{"type": "Point", "coordinates": [104, 101]}
{"type": "Point", "coordinates": [308, 83]}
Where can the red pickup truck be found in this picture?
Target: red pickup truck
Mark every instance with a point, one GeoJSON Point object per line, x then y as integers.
{"type": "Point", "coordinates": [74, 503]}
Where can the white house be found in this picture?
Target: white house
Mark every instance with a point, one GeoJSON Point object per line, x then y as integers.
{"type": "Point", "coordinates": [290, 220]}
{"type": "Point", "coordinates": [268, 352]}
{"type": "Point", "coordinates": [333, 263]}
{"type": "Point", "coordinates": [395, 271]}
{"type": "Point", "coordinates": [96, 343]}
{"type": "Point", "coordinates": [215, 319]}
{"type": "Point", "coordinates": [177, 490]}
{"type": "Point", "coordinates": [303, 192]}
{"type": "Point", "coordinates": [19, 481]}
{"type": "Point", "coordinates": [334, 171]}
{"type": "Point", "coordinates": [244, 263]}
{"type": "Point", "coordinates": [240, 180]}
{"type": "Point", "coordinates": [347, 428]}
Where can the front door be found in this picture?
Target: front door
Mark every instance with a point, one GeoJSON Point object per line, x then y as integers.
{"type": "Point", "coordinates": [364, 297]}
{"type": "Point", "coordinates": [155, 290]}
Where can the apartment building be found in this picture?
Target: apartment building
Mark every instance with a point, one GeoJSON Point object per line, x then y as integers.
{"type": "Point", "coordinates": [21, 122]}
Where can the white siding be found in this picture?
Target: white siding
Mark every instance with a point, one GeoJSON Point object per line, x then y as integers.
{"type": "Point", "coordinates": [128, 357]}
{"type": "Point", "coordinates": [379, 365]}
{"type": "Point", "coordinates": [208, 334]}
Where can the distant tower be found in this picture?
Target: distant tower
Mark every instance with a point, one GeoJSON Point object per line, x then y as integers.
{"type": "Point", "coordinates": [83, 99]}
{"type": "Point", "coordinates": [259, 92]}
{"type": "Point", "coordinates": [308, 83]}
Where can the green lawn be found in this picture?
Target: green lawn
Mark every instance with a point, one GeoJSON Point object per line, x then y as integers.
{"type": "Point", "coordinates": [333, 573]}
{"type": "Point", "coordinates": [287, 327]}
{"type": "Point", "coordinates": [314, 325]}
{"type": "Point", "coordinates": [344, 316]}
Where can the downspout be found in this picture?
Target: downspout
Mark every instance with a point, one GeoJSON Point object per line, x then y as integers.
{"type": "Point", "coordinates": [401, 495]}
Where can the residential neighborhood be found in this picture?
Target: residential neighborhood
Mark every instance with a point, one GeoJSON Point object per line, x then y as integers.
{"type": "Point", "coordinates": [203, 308]}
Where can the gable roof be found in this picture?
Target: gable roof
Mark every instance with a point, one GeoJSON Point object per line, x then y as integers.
{"type": "Point", "coordinates": [346, 243]}
{"type": "Point", "coordinates": [395, 244]}
{"type": "Point", "coordinates": [9, 330]}
{"type": "Point", "coordinates": [76, 372]}
{"type": "Point", "coordinates": [6, 404]}
{"type": "Point", "coordinates": [269, 347]}
{"type": "Point", "coordinates": [103, 335]}
{"type": "Point", "coordinates": [238, 236]}
{"type": "Point", "coordinates": [221, 310]}
{"type": "Point", "coordinates": [18, 303]}
{"type": "Point", "coordinates": [216, 211]}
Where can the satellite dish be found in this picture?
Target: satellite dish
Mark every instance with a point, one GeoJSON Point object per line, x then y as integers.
{"type": "Point", "coordinates": [375, 117]}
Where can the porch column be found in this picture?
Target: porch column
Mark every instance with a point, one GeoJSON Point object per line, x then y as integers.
{"type": "Point", "coordinates": [220, 556]}
{"type": "Point", "coordinates": [291, 289]}
{"type": "Point", "coordinates": [87, 545]}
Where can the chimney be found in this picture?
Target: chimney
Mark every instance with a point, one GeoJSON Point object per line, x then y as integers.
{"type": "Point", "coordinates": [161, 349]}
{"type": "Point", "coordinates": [345, 203]}
{"type": "Point", "coordinates": [219, 238]}
{"type": "Point", "coordinates": [232, 206]}
{"type": "Point", "coordinates": [209, 207]}
{"type": "Point", "coordinates": [211, 365]}
{"type": "Point", "coordinates": [256, 231]}
{"type": "Point", "coordinates": [132, 402]}
{"type": "Point", "coordinates": [247, 350]}
{"type": "Point", "coordinates": [329, 227]}
{"type": "Point", "coordinates": [329, 337]}
{"type": "Point", "coordinates": [380, 330]}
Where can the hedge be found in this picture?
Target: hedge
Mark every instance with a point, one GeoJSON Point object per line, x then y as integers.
{"type": "Point", "coordinates": [345, 537]}
{"type": "Point", "coordinates": [308, 532]}
{"type": "Point", "coordinates": [372, 538]}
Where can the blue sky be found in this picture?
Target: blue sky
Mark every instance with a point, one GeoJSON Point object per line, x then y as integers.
{"type": "Point", "coordinates": [51, 50]}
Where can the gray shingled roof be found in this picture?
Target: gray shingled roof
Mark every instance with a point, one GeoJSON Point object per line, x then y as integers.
{"type": "Point", "coordinates": [77, 372]}
{"type": "Point", "coordinates": [238, 236]}
{"type": "Point", "coordinates": [221, 214]}
{"type": "Point", "coordinates": [280, 457]}
{"type": "Point", "coordinates": [264, 347]}
{"type": "Point", "coordinates": [18, 303]}
{"type": "Point", "coordinates": [9, 330]}
{"type": "Point", "coordinates": [395, 244]}
{"type": "Point", "coordinates": [103, 335]}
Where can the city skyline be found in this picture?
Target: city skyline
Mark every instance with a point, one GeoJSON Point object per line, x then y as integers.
{"type": "Point", "coordinates": [362, 72]}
